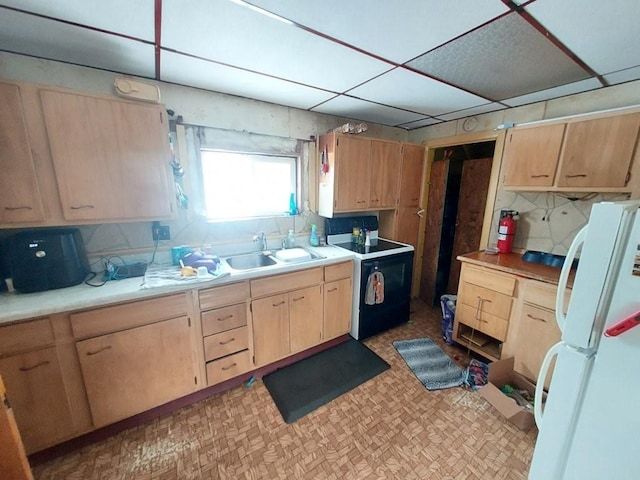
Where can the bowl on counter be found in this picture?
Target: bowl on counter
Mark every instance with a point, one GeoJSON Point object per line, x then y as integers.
{"type": "Point", "coordinates": [545, 258]}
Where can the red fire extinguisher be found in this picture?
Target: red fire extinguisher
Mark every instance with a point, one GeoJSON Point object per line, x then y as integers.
{"type": "Point", "coordinates": [506, 231]}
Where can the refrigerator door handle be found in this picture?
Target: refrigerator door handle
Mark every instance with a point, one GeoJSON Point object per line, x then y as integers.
{"type": "Point", "coordinates": [542, 376]}
{"type": "Point", "coordinates": [561, 318]}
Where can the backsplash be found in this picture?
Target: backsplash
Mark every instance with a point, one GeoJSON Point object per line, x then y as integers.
{"type": "Point", "coordinates": [547, 222]}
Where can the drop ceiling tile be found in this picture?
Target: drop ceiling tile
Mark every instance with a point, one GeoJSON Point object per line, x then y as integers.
{"type": "Point", "coordinates": [135, 19]}
{"type": "Point", "coordinates": [469, 112]}
{"type": "Point", "coordinates": [604, 35]}
{"type": "Point", "coordinates": [349, 107]}
{"type": "Point", "coordinates": [503, 59]}
{"type": "Point", "coordinates": [190, 71]}
{"type": "Point", "coordinates": [230, 33]}
{"type": "Point", "coordinates": [561, 91]}
{"type": "Point", "coordinates": [26, 34]}
{"type": "Point", "coordinates": [622, 76]}
{"type": "Point", "coordinates": [424, 122]}
{"type": "Point", "coordinates": [392, 31]}
{"type": "Point", "coordinates": [402, 88]}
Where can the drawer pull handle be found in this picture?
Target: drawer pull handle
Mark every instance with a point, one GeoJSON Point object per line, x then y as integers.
{"type": "Point", "coordinates": [80, 207]}
{"type": "Point", "coordinates": [229, 367]}
{"type": "Point", "coordinates": [108, 347]}
{"type": "Point", "coordinates": [582, 175]}
{"type": "Point", "coordinates": [332, 289]}
{"type": "Point", "coordinates": [278, 304]}
{"type": "Point", "coordinates": [539, 176]}
{"type": "Point", "coordinates": [360, 201]}
{"type": "Point", "coordinates": [483, 321]}
{"type": "Point", "coordinates": [299, 298]}
{"type": "Point", "coordinates": [228, 341]}
{"type": "Point", "coordinates": [222, 319]}
{"type": "Point", "coordinates": [40, 364]}
{"type": "Point", "coordinates": [25, 207]}
{"type": "Point", "coordinates": [535, 318]}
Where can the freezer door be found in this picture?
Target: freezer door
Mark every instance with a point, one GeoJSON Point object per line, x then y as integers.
{"type": "Point", "coordinates": [605, 241]}
{"type": "Point", "coordinates": [560, 415]}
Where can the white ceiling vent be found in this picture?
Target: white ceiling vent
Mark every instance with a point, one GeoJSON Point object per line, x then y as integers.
{"type": "Point", "coordinates": [126, 87]}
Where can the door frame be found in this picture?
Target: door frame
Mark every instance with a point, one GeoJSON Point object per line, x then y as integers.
{"type": "Point", "coordinates": [430, 148]}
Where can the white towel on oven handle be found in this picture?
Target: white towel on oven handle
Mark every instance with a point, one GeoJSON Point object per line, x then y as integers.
{"type": "Point", "coordinates": [375, 288]}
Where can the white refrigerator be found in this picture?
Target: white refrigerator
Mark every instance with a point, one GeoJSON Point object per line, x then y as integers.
{"type": "Point", "coordinates": [589, 427]}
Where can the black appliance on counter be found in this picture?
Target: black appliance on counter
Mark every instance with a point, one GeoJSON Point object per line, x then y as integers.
{"type": "Point", "coordinates": [47, 259]}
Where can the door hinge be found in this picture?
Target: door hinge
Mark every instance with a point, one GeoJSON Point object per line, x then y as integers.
{"type": "Point", "coordinates": [161, 119]}
{"type": "Point", "coordinates": [189, 321]}
{"type": "Point", "coordinates": [627, 178]}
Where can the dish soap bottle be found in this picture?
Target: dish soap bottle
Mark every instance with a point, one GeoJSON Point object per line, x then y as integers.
{"type": "Point", "coordinates": [291, 240]}
{"type": "Point", "coordinates": [313, 239]}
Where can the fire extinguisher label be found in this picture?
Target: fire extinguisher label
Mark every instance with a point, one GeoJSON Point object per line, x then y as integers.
{"type": "Point", "coordinates": [502, 229]}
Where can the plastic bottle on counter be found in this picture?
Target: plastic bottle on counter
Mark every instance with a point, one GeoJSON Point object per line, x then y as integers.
{"type": "Point", "coordinates": [313, 239]}
{"type": "Point", "coordinates": [291, 240]}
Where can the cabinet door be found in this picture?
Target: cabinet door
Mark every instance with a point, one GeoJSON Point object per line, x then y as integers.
{"type": "Point", "coordinates": [337, 308]}
{"type": "Point", "coordinates": [407, 225]}
{"type": "Point", "coordinates": [19, 193]}
{"type": "Point", "coordinates": [597, 153]}
{"type": "Point", "coordinates": [531, 155]}
{"type": "Point", "coordinates": [37, 394]}
{"type": "Point", "coordinates": [411, 175]}
{"type": "Point", "coordinates": [110, 157]}
{"type": "Point", "coordinates": [270, 328]}
{"type": "Point", "coordinates": [353, 174]}
{"type": "Point", "coordinates": [305, 318]}
{"type": "Point", "coordinates": [128, 372]}
{"type": "Point", "coordinates": [385, 165]}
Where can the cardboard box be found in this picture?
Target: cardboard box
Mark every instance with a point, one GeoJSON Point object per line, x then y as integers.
{"type": "Point", "coordinates": [501, 373]}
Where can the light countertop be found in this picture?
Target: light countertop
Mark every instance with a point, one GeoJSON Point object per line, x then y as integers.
{"type": "Point", "coordinates": [22, 306]}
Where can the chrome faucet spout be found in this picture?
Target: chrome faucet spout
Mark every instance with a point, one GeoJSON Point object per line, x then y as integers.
{"type": "Point", "coordinates": [262, 238]}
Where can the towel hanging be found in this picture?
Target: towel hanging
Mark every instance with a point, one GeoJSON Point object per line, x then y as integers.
{"type": "Point", "coordinates": [375, 288]}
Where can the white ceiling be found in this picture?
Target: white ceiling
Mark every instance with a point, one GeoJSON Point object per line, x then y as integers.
{"type": "Point", "coordinates": [408, 64]}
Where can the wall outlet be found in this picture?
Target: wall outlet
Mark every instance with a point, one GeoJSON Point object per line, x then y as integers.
{"type": "Point", "coordinates": [160, 232]}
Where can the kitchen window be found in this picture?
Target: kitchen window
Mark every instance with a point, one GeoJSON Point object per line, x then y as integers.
{"type": "Point", "coordinates": [240, 185]}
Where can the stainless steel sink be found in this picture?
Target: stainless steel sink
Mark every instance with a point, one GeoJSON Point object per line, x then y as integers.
{"type": "Point", "coordinates": [247, 261]}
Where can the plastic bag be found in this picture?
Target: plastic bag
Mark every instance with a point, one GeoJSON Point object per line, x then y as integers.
{"type": "Point", "coordinates": [448, 304]}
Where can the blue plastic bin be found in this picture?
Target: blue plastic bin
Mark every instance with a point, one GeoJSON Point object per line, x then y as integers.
{"type": "Point", "coordinates": [448, 304]}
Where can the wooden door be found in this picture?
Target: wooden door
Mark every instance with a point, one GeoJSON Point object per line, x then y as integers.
{"type": "Point", "coordinates": [305, 318]}
{"type": "Point", "coordinates": [13, 460]}
{"type": "Point", "coordinates": [433, 229]}
{"type": "Point", "coordinates": [36, 387]}
{"type": "Point", "coordinates": [128, 372]}
{"type": "Point", "coordinates": [385, 169]}
{"type": "Point", "coordinates": [411, 175]}
{"type": "Point", "coordinates": [110, 157]}
{"type": "Point", "coordinates": [19, 192]}
{"type": "Point", "coordinates": [474, 187]}
{"type": "Point", "coordinates": [353, 173]}
{"type": "Point", "coordinates": [270, 328]}
{"type": "Point", "coordinates": [597, 153]}
{"type": "Point", "coordinates": [337, 308]}
{"type": "Point", "coordinates": [531, 155]}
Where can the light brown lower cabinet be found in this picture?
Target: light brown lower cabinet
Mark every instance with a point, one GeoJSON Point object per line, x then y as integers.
{"type": "Point", "coordinates": [337, 308]}
{"type": "Point", "coordinates": [131, 371]}
{"type": "Point", "coordinates": [270, 328]}
{"type": "Point", "coordinates": [13, 461]}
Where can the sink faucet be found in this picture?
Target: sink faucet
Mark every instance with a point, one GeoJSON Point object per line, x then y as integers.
{"type": "Point", "coordinates": [262, 238]}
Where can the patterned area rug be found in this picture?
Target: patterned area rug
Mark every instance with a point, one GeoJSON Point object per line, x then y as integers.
{"type": "Point", "coordinates": [429, 363]}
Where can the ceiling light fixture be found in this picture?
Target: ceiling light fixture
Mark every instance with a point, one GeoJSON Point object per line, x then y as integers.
{"type": "Point", "coordinates": [262, 11]}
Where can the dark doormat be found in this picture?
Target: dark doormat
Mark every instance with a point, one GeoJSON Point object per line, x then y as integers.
{"type": "Point", "coordinates": [310, 383]}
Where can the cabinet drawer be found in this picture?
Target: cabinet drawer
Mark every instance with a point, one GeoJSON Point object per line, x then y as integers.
{"type": "Point", "coordinates": [228, 367]}
{"type": "Point", "coordinates": [484, 322]}
{"type": "Point", "coordinates": [225, 343]}
{"type": "Point", "coordinates": [285, 282]}
{"type": "Point", "coordinates": [223, 319]}
{"type": "Point", "coordinates": [483, 277]}
{"type": "Point", "coordinates": [336, 272]}
{"type": "Point", "coordinates": [100, 321]}
{"type": "Point", "coordinates": [544, 295]}
{"type": "Point", "coordinates": [25, 336]}
{"type": "Point", "coordinates": [488, 300]}
{"type": "Point", "coordinates": [224, 295]}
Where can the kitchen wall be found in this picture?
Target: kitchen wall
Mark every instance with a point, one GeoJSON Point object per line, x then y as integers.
{"type": "Point", "coordinates": [197, 107]}
{"type": "Point", "coordinates": [548, 221]}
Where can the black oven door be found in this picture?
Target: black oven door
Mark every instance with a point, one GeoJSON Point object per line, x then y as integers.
{"type": "Point", "coordinates": [393, 306]}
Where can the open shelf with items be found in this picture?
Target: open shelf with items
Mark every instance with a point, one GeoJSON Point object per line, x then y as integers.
{"type": "Point", "coordinates": [476, 341]}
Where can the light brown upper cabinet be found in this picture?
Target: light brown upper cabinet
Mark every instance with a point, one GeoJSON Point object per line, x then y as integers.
{"type": "Point", "coordinates": [531, 155]}
{"type": "Point", "coordinates": [20, 199]}
{"type": "Point", "coordinates": [111, 157]}
{"type": "Point", "coordinates": [363, 174]}
{"type": "Point", "coordinates": [599, 152]}
{"type": "Point", "coordinates": [411, 174]}
{"type": "Point", "coordinates": [586, 154]}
